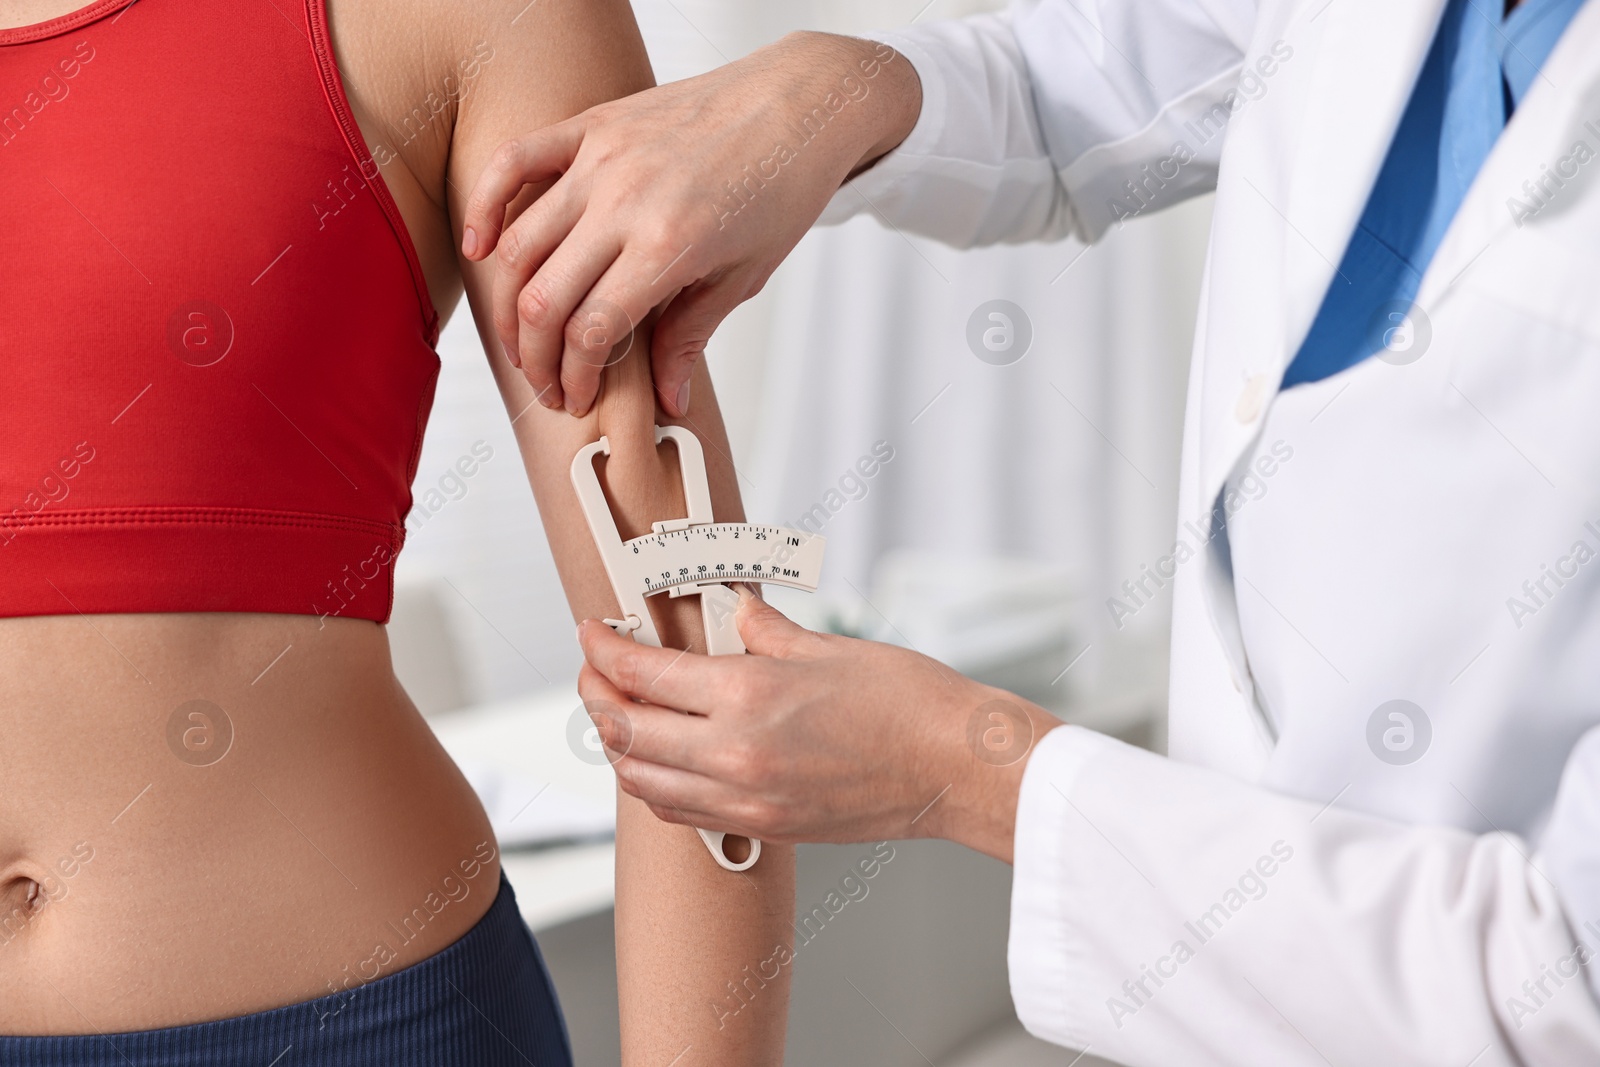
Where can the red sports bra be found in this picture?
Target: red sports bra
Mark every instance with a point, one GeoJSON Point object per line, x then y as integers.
{"type": "Point", "coordinates": [216, 350]}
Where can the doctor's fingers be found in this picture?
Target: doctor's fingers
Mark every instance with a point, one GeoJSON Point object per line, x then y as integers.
{"type": "Point", "coordinates": [524, 248]}
{"type": "Point", "coordinates": [600, 331]}
{"type": "Point", "coordinates": [630, 728]}
{"type": "Point", "coordinates": [685, 328]}
{"type": "Point", "coordinates": [683, 681]}
{"type": "Point", "coordinates": [689, 799]}
{"type": "Point", "coordinates": [521, 161]}
{"type": "Point", "coordinates": [549, 316]}
{"type": "Point", "coordinates": [766, 631]}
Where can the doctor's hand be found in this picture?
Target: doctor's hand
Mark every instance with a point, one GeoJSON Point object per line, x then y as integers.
{"type": "Point", "coordinates": [810, 737]}
{"type": "Point", "coordinates": [691, 192]}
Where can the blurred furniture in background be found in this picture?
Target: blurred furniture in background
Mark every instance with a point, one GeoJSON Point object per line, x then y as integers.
{"type": "Point", "coordinates": [1018, 497]}
{"type": "Point", "coordinates": [423, 645]}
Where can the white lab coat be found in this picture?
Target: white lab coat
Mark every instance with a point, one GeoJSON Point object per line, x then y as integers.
{"type": "Point", "coordinates": [1276, 893]}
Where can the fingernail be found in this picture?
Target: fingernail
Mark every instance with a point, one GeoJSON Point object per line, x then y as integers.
{"type": "Point", "coordinates": [602, 726]}
{"type": "Point", "coordinates": [683, 399]}
{"type": "Point", "coordinates": [580, 632]}
{"type": "Point", "coordinates": [548, 399]}
{"type": "Point", "coordinates": [469, 242]}
{"type": "Point", "coordinates": [572, 406]}
{"type": "Point", "coordinates": [511, 354]}
{"type": "Point", "coordinates": [616, 732]}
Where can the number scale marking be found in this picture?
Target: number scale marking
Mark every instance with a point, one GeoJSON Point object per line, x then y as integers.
{"type": "Point", "coordinates": [725, 552]}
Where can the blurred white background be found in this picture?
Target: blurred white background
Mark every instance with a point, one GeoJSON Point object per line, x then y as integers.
{"type": "Point", "coordinates": [1018, 500]}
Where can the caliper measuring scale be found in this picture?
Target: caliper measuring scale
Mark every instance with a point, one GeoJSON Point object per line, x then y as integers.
{"type": "Point", "coordinates": [689, 556]}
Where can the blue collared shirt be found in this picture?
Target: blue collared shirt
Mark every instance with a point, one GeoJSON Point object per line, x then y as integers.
{"type": "Point", "coordinates": [1478, 70]}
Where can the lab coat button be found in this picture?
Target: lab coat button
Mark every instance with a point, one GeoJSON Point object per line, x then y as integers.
{"type": "Point", "coordinates": [1252, 399]}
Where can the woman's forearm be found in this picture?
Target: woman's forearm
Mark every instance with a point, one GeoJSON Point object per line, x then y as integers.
{"type": "Point", "coordinates": [702, 953]}
{"type": "Point", "coordinates": [698, 947]}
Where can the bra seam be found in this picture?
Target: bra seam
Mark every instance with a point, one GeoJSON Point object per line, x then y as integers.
{"type": "Point", "coordinates": [62, 24]}
{"type": "Point", "coordinates": [339, 105]}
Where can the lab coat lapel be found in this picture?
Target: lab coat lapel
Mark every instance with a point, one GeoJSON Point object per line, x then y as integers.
{"type": "Point", "coordinates": [1370, 57]}
{"type": "Point", "coordinates": [1562, 109]}
{"type": "Point", "coordinates": [1361, 59]}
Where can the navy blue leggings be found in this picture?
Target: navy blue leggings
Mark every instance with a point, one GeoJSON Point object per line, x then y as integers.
{"type": "Point", "coordinates": [486, 1001]}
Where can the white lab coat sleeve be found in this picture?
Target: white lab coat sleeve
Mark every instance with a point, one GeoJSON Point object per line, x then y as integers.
{"type": "Point", "coordinates": [1167, 915]}
{"type": "Point", "coordinates": [1056, 117]}
{"type": "Point", "coordinates": [1569, 851]}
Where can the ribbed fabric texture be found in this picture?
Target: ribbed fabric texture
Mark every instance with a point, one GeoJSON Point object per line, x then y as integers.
{"type": "Point", "coordinates": [486, 1001]}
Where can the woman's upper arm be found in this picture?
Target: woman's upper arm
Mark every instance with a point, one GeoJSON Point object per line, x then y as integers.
{"type": "Point", "coordinates": [539, 63]}
{"type": "Point", "coordinates": [550, 60]}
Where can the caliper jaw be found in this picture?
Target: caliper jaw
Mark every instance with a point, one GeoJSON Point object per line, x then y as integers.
{"type": "Point", "coordinates": [718, 603]}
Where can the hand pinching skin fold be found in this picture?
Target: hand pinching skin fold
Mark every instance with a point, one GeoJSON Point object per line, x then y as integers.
{"type": "Point", "coordinates": [635, 221]}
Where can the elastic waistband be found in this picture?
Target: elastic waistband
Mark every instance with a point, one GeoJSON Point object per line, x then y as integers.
{"type": "Point", "coordinates": [485, 1001]}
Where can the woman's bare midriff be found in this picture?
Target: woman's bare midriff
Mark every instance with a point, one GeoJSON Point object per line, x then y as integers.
{"type": "Point", "coordinates": [207, 815]}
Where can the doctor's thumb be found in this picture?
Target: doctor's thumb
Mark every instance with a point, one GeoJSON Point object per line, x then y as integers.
{"type": "Point", "coordinates": [681, 336]}
{"type": "Point", "coordinates": [766, 630]}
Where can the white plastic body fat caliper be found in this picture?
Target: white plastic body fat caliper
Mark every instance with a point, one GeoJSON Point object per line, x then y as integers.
{"type": "Point", "coordinates": [692, 555]}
